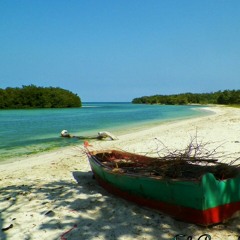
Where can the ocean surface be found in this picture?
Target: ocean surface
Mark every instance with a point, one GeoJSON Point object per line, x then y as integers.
{"type": "Point", "coordinates": [24, 132]}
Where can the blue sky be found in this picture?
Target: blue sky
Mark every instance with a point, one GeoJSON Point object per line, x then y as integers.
{"type": "Point", "coordinates": [116, 50]}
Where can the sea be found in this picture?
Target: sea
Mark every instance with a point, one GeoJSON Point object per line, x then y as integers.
{"type": "Point", "coordinates": [31, 131]}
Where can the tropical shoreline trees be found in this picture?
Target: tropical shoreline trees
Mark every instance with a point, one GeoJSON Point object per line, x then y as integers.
{"type": "Point", "coordinates": [38, 97]}
{"type": "Point", "coordinates": [226, 97]}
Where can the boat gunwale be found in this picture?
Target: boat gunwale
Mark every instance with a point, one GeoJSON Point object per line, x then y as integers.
{"type": "Point", "coordinates": [93, 156]}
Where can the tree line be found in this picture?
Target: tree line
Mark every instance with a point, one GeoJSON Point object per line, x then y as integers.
{"type": "Point", "coordinates": [38, 97]}
{"type": "Point", "coordinates": [226, 97]}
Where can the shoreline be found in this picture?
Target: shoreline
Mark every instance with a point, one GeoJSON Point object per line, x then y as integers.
{"type": "Point", "coordinates": [117, 131]}
{"type": "Point", "coordinates": [51, 193]}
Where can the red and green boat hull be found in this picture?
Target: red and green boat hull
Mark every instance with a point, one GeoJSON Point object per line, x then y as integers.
{"type": "Point", "coordinates": [205, 202]}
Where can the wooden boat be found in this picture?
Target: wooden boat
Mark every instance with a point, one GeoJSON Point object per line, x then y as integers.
{"type": "Point", "coordinates": [203, 192]}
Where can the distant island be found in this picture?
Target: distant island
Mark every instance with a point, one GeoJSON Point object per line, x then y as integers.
{"type": "Point", "coordinates": [226, 97]}
{"type": "Point", "coordinates": [38, 97]}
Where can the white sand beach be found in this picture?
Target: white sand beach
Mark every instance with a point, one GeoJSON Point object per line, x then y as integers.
{"type": "Point", "coordinates": [53, 195]}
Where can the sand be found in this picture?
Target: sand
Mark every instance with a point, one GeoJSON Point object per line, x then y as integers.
{"type": "Point", "coordinates": [53, 195]}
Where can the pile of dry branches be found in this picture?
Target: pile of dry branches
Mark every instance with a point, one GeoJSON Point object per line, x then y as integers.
{"type": "Point", "coordinates": [196, 160]}
{"type": "Point", "coordinates": [190, 163]}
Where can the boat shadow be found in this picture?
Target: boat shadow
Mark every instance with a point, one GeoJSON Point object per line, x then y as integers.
{"type": "Point", "coordinates": [81, 209]}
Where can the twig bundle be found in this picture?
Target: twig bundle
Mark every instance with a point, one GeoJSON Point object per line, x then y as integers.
{"type": "Point", "coordinates": [190, 163]}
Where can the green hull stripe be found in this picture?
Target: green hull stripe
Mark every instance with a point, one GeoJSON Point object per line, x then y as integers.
{"type": "Point", "coordinates": [201, 195]}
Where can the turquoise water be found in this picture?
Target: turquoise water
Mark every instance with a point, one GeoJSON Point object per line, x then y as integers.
{"type": "Point", "coordinates": [24, 132]}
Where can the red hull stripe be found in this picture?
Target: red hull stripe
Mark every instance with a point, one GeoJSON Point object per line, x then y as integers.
{"type": "Point", "coordinates": [202, 217]}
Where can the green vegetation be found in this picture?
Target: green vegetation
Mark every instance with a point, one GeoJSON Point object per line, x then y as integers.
{"type": "Point", "coordinates": [38, 97]}
{"type": "Point", "coordinates": [227, 97]}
